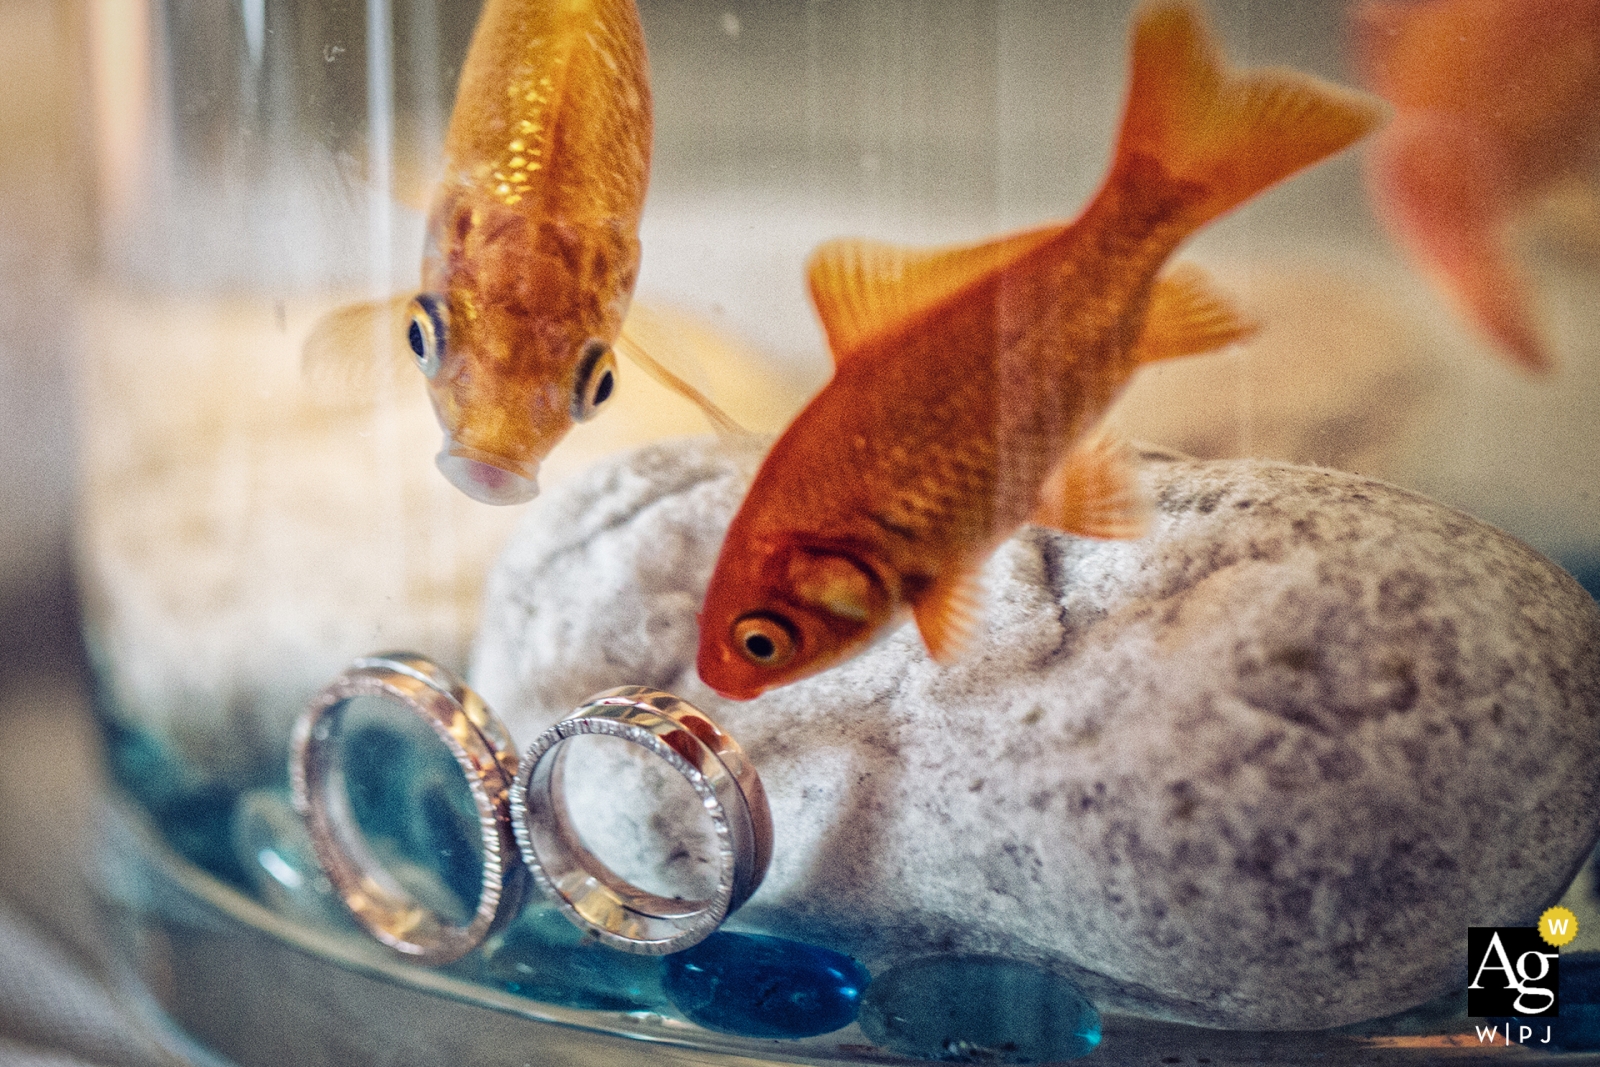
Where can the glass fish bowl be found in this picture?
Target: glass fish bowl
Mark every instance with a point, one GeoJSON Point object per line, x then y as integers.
{"type": "Point", "coordinates": [973, 860]}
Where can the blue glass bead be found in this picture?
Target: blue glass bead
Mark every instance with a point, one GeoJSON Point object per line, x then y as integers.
{"type": "Point", "coordinates": [274, 848]}
{"type": "Point", "coordinates": [194, 815]}
{"type": "Point", "coordinates": [544, 957]}
{"type": "Point", "coordinates": [758, 986]}
{"type": "Point", "coordinates": [979, 1009]}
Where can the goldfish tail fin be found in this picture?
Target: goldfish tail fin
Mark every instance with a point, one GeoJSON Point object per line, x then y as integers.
{"type": "Point", "coordinates": [720, 420]}
{"type": "Point", "coordinates": [1233, 134]}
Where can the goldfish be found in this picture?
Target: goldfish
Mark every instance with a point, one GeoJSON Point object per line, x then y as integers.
{"type": "Point", "coordinates": [1497, 109]}
{"type": "Point", "coordinates": [969, 381]}
{"type": "Point", "coordinates": [532, 247]}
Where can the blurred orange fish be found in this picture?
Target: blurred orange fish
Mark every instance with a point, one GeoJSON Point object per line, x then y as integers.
{"type": "Point", "coordinates": [532, 244]}
{"type": "Point", "coordinates": [1497, 105]}
{"type": "Point", "coordinates": [968, 381]}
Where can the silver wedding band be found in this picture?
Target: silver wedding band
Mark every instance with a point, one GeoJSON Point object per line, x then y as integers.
{"type": "Point", "coordinates": [592, 896]}
{"type": "Point", "coordinates": [522, 815]}
{"type": "Point", "coordinates": [488, 760]}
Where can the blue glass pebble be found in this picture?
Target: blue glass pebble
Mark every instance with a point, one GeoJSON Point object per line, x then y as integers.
{"type": "Point", "coordinates": [979, 1009]}
{"type": "Point", "coordinates": [758, 986]}
{"type": "Point", "coordinates": [273, 846]}
{"type": "Point", "coordinates": [194, 815]}
{"type": "Point", "coordinates": [544, 957]}
{"type": "Point", "coordinates": [379, 765]}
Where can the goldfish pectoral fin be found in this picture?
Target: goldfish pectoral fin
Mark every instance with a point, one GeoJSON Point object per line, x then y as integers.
{"type": "Point", "coordinates": [629, 345]}
{"type": "Point", "coordinates": [1093, 493]}
{"type": "Point", "coordinates": [1496, 296]}
{"type": "Point", "coordinates": [863, 289]}
{"type": "Point", "coordinates": [752, 388]}
{"type": "Point", "coordinates": [948, 613]}
{"type": "Point", "coordinates": [1444, 190]}
{"type": "Point", "coordinates": [351, 348]}
{"type": "Point", "coordinates": [1188, 316]}
{"type": "Point", "coordinates": [1233, 135]}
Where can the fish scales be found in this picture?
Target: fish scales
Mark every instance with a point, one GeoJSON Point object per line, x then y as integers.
{"type": "Point", "coordinates": [548, 95]}
{"type": "Point", "coordinates": [532, 246]}
{"type": "Point", "coordinates": [969, 381]}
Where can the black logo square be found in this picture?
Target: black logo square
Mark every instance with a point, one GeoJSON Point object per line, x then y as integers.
{"type": "Point", "coordinates": [1511, 971]}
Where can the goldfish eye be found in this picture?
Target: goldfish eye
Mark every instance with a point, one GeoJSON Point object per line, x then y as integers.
{"type": "Point", "coordinates": [764, 640]}
{"type": "Point", "coordinates": [426, 332]}
{"type": "Point", "coordinates": [596, 380]}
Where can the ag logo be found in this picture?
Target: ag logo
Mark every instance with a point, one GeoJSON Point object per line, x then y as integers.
{"type": "Point", "coordinates": [1511, 971]}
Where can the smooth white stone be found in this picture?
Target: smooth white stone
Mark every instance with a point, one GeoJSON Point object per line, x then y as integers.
{"type": "Point", "coordinates": [1259, 769]}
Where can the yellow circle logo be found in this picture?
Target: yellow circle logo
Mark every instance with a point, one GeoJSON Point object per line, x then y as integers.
{"type": "Point", "coordinates": [1558, 926]}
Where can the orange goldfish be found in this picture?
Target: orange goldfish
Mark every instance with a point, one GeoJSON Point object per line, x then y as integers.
{"type": "Point", "coordinates": [532, 243]}
{"type": "Point", "coordinates": [969, 381]}
{"type": "Point", "coordinates": [1497, 106]}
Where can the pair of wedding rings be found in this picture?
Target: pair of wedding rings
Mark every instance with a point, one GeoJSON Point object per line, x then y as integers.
{"type": "Point", "coordinates": [525, 827]}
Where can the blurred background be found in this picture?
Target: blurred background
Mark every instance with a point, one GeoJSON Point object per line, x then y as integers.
{"type": "Point", "coordinates": [51, 1007]}
{"type": "Point", "coordinates": [44, 234]}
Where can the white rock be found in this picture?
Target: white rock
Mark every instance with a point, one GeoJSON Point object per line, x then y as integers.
{"type": "Point", "coordinates": [1259, 769]}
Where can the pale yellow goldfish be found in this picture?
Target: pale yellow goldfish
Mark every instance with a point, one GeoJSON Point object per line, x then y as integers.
{"type": "Point", "coordinates": [532, 244]}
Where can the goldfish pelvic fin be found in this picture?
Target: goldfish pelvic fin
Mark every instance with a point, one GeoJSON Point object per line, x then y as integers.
{"type": "Point", "coordinates": [1232, 134]}
{"type": "Point", "coordinates": [1093, 493]}
{"type": "Point", "coordinates": [351, 348]}
{"type": "Point", "coordinates": [865, 289]}
{"type": "Point", "coordinates": [1188, 316]}
{"type": "Point", "coordinates": [948, 613]}
{"type": "Point", "coordinates": [720, 420]}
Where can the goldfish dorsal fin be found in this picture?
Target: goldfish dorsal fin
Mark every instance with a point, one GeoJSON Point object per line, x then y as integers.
{"type": "Point", "coordinates": [949, 612]}
{"type": "Point", "coordinates": [863, 289]}
{"type": "Point", "coordinates": [1093, 493]}
{"type": "Point", "coordinates": [629, 345]}
{"type": "Point", "coordinates": [1188, 316]}
{"type": "Point", "coordinates": [350, 348]}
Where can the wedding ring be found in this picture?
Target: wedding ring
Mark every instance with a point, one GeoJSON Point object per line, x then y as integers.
{"type": "Point", "coordinates": [482, 749]}
{"type": "Point", "coordinates": [592, 896]}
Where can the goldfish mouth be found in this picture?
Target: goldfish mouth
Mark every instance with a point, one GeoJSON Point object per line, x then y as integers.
{"type": "Point", "coordinates": [726, 684]}
{"type": "Point", "coordinates": [486, 477]}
